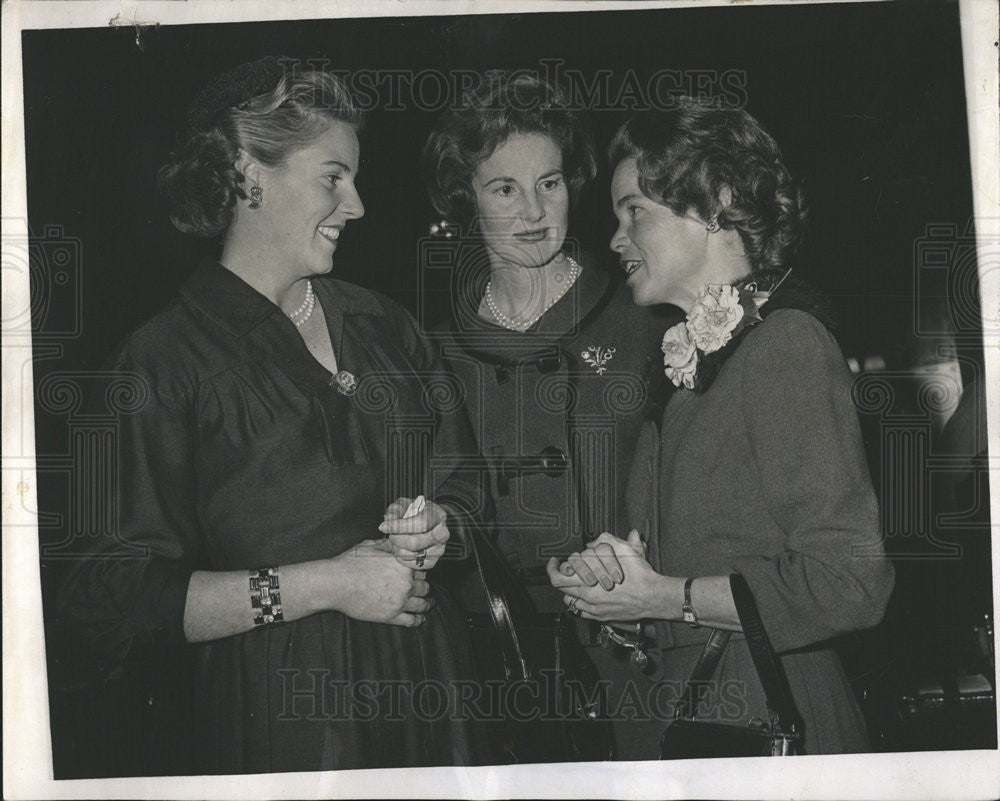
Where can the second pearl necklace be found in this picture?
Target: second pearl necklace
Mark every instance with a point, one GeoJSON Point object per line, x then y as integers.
{"type": "Point", "coordinates": [523, 325]}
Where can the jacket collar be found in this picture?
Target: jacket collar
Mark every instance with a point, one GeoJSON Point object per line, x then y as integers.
{"type": "Point", "coordinates": [492, 343]}
{"type": "Point", "coordinates": [226, 298]}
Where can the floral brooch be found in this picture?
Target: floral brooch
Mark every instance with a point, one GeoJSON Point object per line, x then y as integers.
{"type": "Point", "coordinates": [597, 356]}
{"type": "Point", "coordinates": [718, 314]}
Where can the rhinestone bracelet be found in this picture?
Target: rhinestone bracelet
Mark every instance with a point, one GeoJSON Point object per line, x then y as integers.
{"type": "Point", "coordinates": [265, 600]}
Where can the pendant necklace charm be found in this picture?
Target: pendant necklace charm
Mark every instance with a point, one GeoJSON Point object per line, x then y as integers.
{"type": "Point", "coordinates": [639, 658]}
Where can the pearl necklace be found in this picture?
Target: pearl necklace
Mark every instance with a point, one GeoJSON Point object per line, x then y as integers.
{"type": "Point", "coordinates": [522, 326]}
{"type": "Point", "coordinates": [304, 312]}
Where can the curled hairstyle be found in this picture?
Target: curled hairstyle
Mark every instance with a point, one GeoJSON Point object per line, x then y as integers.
{"type": "Point", "coordinates": [266, 108]}
{"type": "Point", "coordinates": [687, 156]}
{"type": "Point", "coordinates": [505, 104]}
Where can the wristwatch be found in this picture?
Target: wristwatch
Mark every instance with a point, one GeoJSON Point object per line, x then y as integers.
{"type": "Point", "coordinates": [689, 616]}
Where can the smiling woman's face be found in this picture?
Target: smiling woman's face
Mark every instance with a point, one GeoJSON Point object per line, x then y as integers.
{"type": "Point", "coordinates": [523, 201]}
{"type": "Point", "coordinates": [309, 199]}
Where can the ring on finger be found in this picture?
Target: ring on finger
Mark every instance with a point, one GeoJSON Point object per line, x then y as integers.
{"type": "Point", "coordinates": [421, 555]}
{"type": "Point", "coordinates": [572, 607]}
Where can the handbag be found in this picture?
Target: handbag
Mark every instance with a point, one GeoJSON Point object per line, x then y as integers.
{"type": "Point", "coordinates": [551, 704]}
{"type": "Point", "coordinates": [687, 737]}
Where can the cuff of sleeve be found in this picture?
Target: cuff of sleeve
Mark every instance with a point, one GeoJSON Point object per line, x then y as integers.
{"type": "Point", "coordinates": [170, 602]}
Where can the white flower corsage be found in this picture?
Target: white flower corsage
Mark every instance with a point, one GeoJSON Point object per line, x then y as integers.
{"type": "Point", "coordinates": [719, 313]}
{"type": "Point", "coordinates": [680, 357]}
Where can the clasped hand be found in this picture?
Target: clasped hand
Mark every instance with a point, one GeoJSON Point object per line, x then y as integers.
{"type": "Point", "coordinates": [386, 579]}
{"type": "Point", "coordinates": [609, 581]}
{"type": "Point", "coordinates": [373, 585]}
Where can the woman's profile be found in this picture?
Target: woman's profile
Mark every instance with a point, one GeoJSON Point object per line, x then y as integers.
{"type": "Point", "coordinates": [756, 464]}
{"type": "Point", "coordinates": [260, 478]}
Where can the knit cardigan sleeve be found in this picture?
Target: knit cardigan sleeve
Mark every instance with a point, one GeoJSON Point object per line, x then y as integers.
{"type": "Point", "coordinates": [830, 576]}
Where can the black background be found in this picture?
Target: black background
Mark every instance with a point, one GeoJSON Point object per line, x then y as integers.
{"type": "Point", "coordinates": [866, 100]}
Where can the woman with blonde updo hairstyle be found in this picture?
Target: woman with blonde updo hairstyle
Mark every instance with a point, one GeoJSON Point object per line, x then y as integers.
{"type": "Point", "coordinates": [264, 519]}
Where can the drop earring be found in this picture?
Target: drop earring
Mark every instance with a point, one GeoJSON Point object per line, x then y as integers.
{"type": "Point", "coordinates": [256, 196]}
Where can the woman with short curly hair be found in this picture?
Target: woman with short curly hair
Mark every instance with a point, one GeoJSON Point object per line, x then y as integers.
{"type": "Point", "coordinates": [258, 480]}
{"type": "Point", "coordinates": [691, 159]}
{"type": "Point", "coordinates": [487, 118]}
{"type": "Point", "coordinates": [756, 465]}
{"type": "Point", "coordinates": [549, 349]}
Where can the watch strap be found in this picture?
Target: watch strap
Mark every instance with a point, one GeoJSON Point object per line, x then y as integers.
{"type": "Point", "coordinates": [687, 609]}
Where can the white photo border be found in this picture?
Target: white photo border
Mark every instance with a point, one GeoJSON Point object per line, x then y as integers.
{"type": "Point", "coordinates": [27, 743]}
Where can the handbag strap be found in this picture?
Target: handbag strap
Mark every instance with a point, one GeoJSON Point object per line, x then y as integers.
{"type": "Point", "coordinates": [772, 676]}
{"type": "Point", "coordinates": [708, 661]}
{"type": "Point", "coordinates": [769, 670]}
{"type": "Point", "coordinates": [500, 586]}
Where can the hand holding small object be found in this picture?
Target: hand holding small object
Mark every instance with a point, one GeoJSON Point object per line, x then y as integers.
{"type": "Point", "coordinates": [417, 530]}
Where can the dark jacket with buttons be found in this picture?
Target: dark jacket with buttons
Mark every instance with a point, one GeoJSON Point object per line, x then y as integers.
{"type": "Point", "coordinates": [557, 410]}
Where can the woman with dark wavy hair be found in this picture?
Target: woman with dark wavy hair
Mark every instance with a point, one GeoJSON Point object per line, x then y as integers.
{"type": "Point", "coordinates": [255, 488]}
{"type": "Point", "coordinates": [756, 465]}
{"type": "Point", "coordinates": [550, 351]}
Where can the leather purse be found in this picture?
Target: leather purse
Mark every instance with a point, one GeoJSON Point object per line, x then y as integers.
{"type": "Point", "coordinates": [552, 703]}
{"type": "Point", "coordinates": [687, 737]}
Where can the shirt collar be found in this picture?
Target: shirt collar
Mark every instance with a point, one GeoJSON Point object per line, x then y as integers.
{"type": "Point", "coordinates": [229, 300]}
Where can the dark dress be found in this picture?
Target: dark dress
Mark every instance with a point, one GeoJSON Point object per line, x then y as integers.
{"type": "Point", "coordinates": [245, 456]}
{"type": "Point", "coordinates": [764, 474]}
{"type": "Point", "coordinates": [575, 382]}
